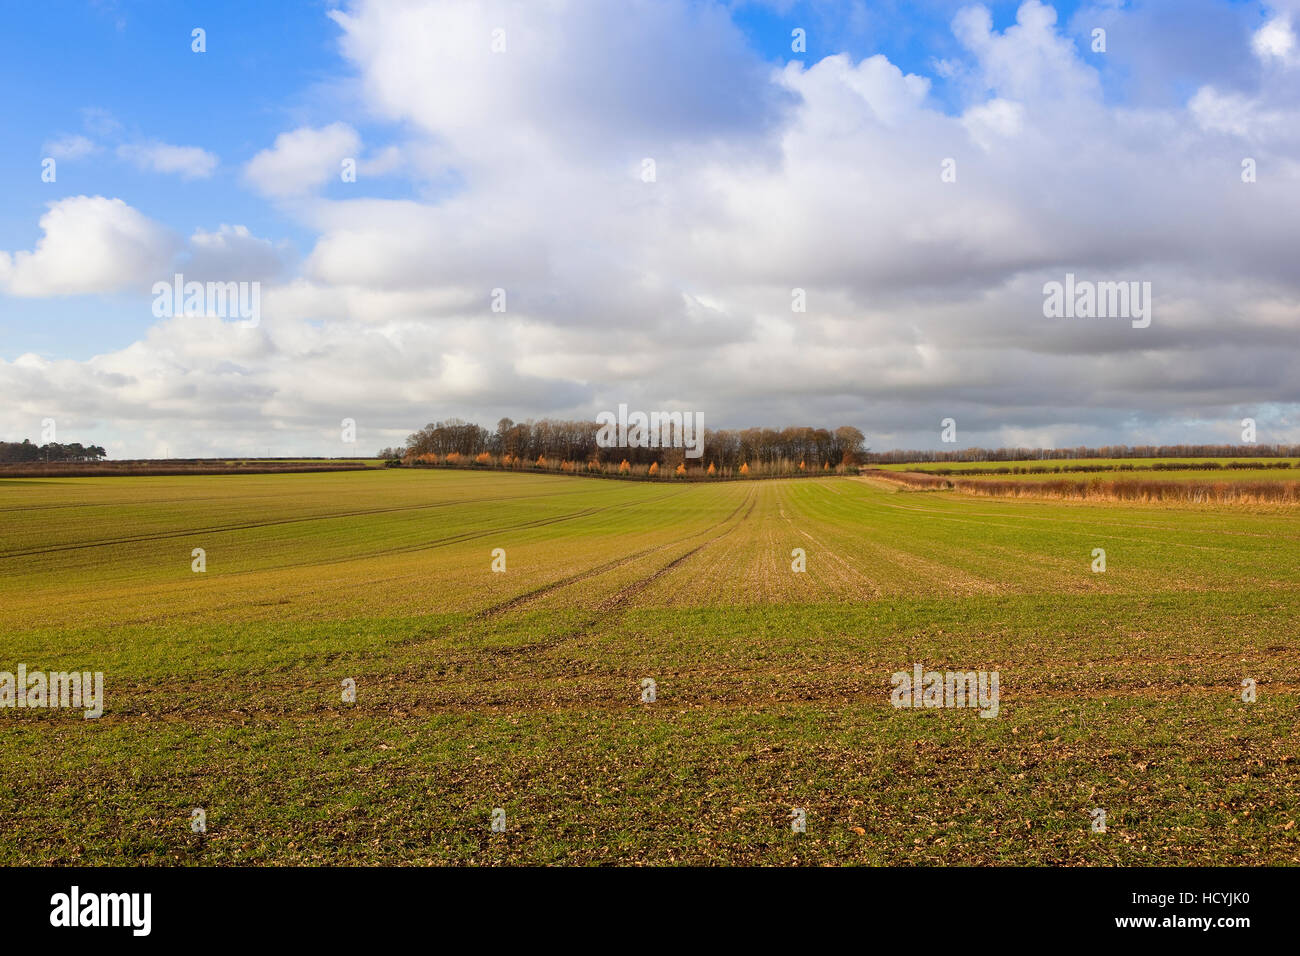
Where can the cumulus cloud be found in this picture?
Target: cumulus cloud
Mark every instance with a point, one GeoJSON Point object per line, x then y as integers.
{"type": "Point", "coordinates": [196, 384]}
{"type": "Point", "coordinates": [302, 160]}
{"type": "Point", "coordinates": [94, 245]}
{"type": "Point", "coordinates": [90, 245]}
{"type": "Point", "coordinates": [1276, 41]}
{"type": "Point", "coordinates": [580, 79]}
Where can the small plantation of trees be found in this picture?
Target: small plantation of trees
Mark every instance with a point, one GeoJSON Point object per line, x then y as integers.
{"type": "Point", "coordinates": [25, 451]}
{"type": "Point", "coordinates": [551, 443]}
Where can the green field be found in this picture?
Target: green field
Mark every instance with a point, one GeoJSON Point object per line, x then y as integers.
{"type": "Point", "coordinates": [521, 690]}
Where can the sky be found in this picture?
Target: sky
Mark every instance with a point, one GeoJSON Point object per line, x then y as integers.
{"type": "Point", "coordinates": [770, 213]}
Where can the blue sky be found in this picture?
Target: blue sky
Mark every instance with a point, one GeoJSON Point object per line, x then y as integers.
{"type": "Point", "coordinates": [481, 171]}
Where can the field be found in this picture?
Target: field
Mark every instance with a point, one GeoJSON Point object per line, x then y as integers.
{"type": "Point", "coordinates": [521, 690]}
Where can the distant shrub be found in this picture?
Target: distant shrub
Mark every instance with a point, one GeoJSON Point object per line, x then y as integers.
{"type": "Point", "coordinates": [1104, 489]}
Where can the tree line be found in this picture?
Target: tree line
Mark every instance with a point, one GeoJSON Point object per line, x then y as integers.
{"type": "Point", "coordinates": [1105, 451]}
{"type": "Point", "coordinates": [576, 441]}
{"type": "Point", "coordinates": [25, 451]}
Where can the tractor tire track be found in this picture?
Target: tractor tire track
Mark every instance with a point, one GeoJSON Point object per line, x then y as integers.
{"type": "Point", "coordinates": [824, 549]}
{"type": "Point", "coordinates": [616, 603]}
{"type": "Point", "coordinates": [520, 600]}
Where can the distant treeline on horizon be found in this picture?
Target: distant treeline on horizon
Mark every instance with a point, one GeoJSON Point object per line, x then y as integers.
{"type": "Point", "coordinates": [728, 448]}
{"type": "Point", "coordinates": [25, 451]}
{"type": "Point", "coordinates": [898, 456]}
{"type": "Point", "coordinates": [576, 441]}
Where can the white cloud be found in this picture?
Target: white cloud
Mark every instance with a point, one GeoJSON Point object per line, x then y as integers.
{"type": "Point", "coordinates": [996, 119]}
{"type": "Point", "coordinates": [188, 162]}
{"type": "Point", "coordinates": [584, 79]}
{"type": "Point", "coordinates": [1247, 117]}
{"type": "Point", "coordinates": [1030, 60]}
{"type": "Point", "coordinates": [1276, 40]}
{"type": "Point", "coordinates": [75, 146]}
{"type": "Point", "coordinates": [90, 244]}
{"type": "Point", "coordinates": [302, 160]}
